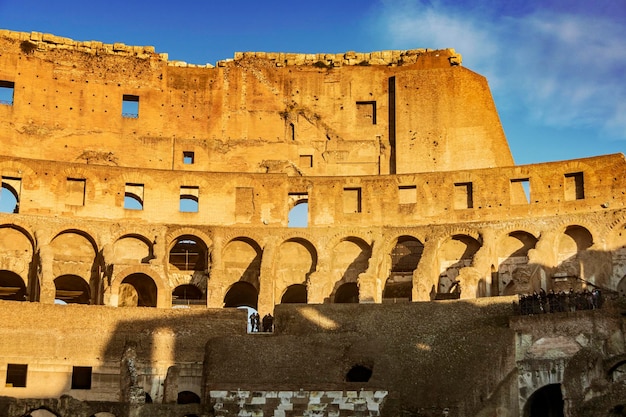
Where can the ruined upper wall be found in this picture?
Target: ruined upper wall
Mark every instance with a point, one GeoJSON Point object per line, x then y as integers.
{"type": "Point", "coordinates": [319, 114]}
{"type": "Point", "coordinates": [46, 41]}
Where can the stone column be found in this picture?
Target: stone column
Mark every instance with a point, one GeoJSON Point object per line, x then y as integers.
{"type": "Point", "coordinates": [319, 285]}
{"type": "Point", "coordinates": [215, 292]}
{"type": "Point", "coordinates": [426, 275]}
{"type": "Point", "coordinates": [46, 275]}
{"type": "Point", "coordinates": [267, 298]}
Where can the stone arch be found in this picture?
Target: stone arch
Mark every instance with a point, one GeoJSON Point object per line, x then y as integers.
{"type": "Point", "coordinates": [242, 294]}
{"type": "Point", "coordinates": [137, 290]}
{"type": "Point", "coordinates": [571, 245]}
{"type": "Point", "coordinates": [617, 372]}
{"type": "Point", "coordinates": [158, 296]}
{"type": "Point", "coordinates": [347, 293]}
{"type": "Point", "coordinates": [188, 294]}
{"type": "Point", "coordinates": [350, 258]}
{"type": "Point", "coordinates": [296, 260]}
{"type": "Point", "coordinates": [75, 252]}
{"type": "Point", "coordinates": [405, 257]}
{"type": "Point", "coordinates": [133, 248]}
{"type": "Point", "coordinates": [455, 253]}
{"type": "Point", "coordinates": [12, 286]}
{"type": "Point", "coordinates": [10, 198]}
{"type": "Point", "coordinates": [295, 294]}
{"type": "Point", "coordinates": [72, 289]}
{"type": "Point", "coordinates": [42, 412]}
{"type": "Point", "coordinates": [547, 401]}
{"type": "Point", "coordinates": [241, 258]}
{"type": "Point", "coordinates": [187, 397]}
{"type": "Point", "coordinates": [188, 252]}
{"type": "Point", "coordinates": [17, 251]}
{"type": "Point", "coordinates": [513, 270]}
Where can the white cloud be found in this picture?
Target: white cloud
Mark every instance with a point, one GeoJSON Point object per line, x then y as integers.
{"type": "Point", "coordinates": [566, 69]}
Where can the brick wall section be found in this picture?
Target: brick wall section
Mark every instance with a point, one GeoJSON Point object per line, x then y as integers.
{"type": "Point", "coordinates": [301, 403]}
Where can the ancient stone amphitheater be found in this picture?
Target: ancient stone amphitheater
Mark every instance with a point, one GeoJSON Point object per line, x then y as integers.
{"type": "Point", "coordinates": [368, 201]}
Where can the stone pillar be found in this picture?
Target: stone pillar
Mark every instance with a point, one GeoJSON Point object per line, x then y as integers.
{"type": "Point", "coordinates": [46, 275]}
{"type": "Point", "coordinates": [267, 297]}
{"type": "Point", "coordinates": [372, 281]}
{"type": "Point", "coordinates": [320, 285]}
{"type": "Point", "coordinates": [215, 292]}
{"type": "Point", "coordinates": [426, 275]}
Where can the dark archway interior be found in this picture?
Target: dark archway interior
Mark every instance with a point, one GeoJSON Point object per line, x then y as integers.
{"type": "Point", "coordinates": [12, 287]}
{"type": "Point", "coordinates": [187, 397]}
{"type": "Point", "coordinates": [545, 402]}
{"type": "Point", "coordinates": [241, 294]}
{"type": "Point", "coordinates": [187, 292]}
{"type": "Point", "coordinates": [145, 287]}
{"type": "Point", "coordinates": [72, 289]}
{"type": "Point", "coordinates": [347, 293]}
{"type": "Point", "coordinates": [295, 294]}
{"type": "Point", "coordinates": [359, 373]}
{"type": "Point", "coordinates": [189, 254]}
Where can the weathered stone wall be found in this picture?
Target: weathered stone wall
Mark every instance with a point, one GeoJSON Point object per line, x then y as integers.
{"type": "Point", "coordinates": [51, 339]}
{"type": "Point", "coordinates": [319, 114]}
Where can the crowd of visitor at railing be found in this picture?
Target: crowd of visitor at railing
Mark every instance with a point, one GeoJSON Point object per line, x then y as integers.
{"type": "Point", "coordinates": [562, 301]}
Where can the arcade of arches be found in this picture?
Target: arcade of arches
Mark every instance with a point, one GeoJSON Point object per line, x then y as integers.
{"type": "Point", "coordinates": [196, 268]}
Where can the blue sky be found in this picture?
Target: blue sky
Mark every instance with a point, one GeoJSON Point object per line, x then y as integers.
{"type": "Point", "coordinates": [556, 68]}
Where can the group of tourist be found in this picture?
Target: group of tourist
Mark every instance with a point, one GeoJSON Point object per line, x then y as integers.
{"type": "Point", "coordinates": [555, 302]}
{"type": "Point", "coordinates": [256, 322]}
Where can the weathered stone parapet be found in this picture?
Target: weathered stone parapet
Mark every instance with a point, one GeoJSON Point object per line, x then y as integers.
{"type": "Point", "coordinates": [350, 58]}
{"type": "Point", "coordinates": [245, 403]}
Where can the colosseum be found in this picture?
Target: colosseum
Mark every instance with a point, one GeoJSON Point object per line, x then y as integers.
{"type": "Point", "coordinates": [368, 202]}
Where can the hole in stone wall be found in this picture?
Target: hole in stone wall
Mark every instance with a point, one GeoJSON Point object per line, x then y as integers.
{"type": "Point", "coordinates": [359, 373]}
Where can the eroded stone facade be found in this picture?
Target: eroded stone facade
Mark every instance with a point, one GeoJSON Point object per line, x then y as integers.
{"type": "Point", "coordinates": [132, 181]}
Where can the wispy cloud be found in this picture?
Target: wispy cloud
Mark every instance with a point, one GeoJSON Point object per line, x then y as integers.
{"type": "Point", "coordinates": [564, 68]}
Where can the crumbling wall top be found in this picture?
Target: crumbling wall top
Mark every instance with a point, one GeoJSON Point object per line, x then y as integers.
{"type": "Point", "coordinates": [45, 41]}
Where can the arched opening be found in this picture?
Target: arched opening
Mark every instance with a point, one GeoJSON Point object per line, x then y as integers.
{"type": "Point", "coordinates": [405, 257]}
{"type": "Point", "coordinates": [299, 214]}
{"type": "Point", "coordinates": [9, 200]}
{"type": "Point", "coordinates": [188, 294]}
{"type": "Point", "coordinates": [512, 273]}
{"type": "Point", "coordinates": [132, 201]}
{"type": "Point", "coordinates": [455, 254]}
{"type": "Point", "coordinates": [137, 290]}
{"type": "Point", "coordinates": [359, 373]}
{"type": "Point", "coordinates": [241, 294]}
{"type": "Point", "coordinates": [189, 254]}
{"type": "Point", "coordinates": [72, 289]}
{"type": "Point", "coordinates": [12, 286]}
{"type": "Point", "coordinates": [347, 293]}
{"type": "Point", "coordinates": [295, 294]}
{"type": "Point", "coordinates": [187, 397]}
{"type": "Point", "coordinates": [545, 402]}
{"type": "Point", "coordinates": [130, 249]}
{"type": "Point", "coordinates": [574, 240]}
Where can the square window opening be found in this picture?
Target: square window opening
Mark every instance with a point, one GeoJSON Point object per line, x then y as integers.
{"type": "Point", "coordinates": [7, 88]}
{"type": "Point", "coordinates": [133, 196]}
{"type": "Point", "coordinates": [520, 191]}
{"type": "Point", "coordinates": [366, 111]}
{"type": "Point", "coordinates": [75, 191]}
{"type": "Point", "coordinates": [130, 106]}
{"type": "Point", "coordinates": [306, 161]}
{"type": "Point", "coordinates": [463, 195]}
{"type": "Point", "coordinates": [351, 200]}
{"type": "Point", "coordinates": [407, 194]}
{"type": "Point", "coordinates": [574, 186]}
{"type": "Point", "coordinates": [16, 375]}
{"type": "Point", "coordinates": [81, 377]}
{"type": "Point", "coordinates": [189, 198]}
{"type": "Point", "coordinates": [188, 157]}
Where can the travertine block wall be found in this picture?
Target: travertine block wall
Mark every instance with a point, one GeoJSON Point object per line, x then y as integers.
{"type": "Point", "coordinates": [317, 114]}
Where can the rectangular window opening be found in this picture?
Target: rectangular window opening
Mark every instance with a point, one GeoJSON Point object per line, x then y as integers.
{"type": "Point", "coordinates": [81, 377]}
{"type": "Point", "coordinates": [133, 196]}
{"type": "Point", "coordinates": [351, 200]}
{"type": "Point", "coordinates": [189, 199]}
{"type": "Point", "coordinates": [366, 111]}
{"type": "Point", "coordinates": [463, 195]}
{"type": "Point", "coordinates": [130, 106]}
{"type": "Point", "coordinates": [188, 157]}
{"type": "Point", "coordinates": [16, 375]}
{"type": "Point", "coordinates": [10, 195]}
{"type": "Point", "coordinates": [574, 186]}
{"type": "Point", "coordinates": [407, 194]}
{"type": "Point", "coordinates": [75, 191]}
{"type": "Point", "coordinates": [7, 88]}
{"type": "Point", "coordinates": [520, 191]}
{"type": "Point", "coordinates": [306, 161]}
